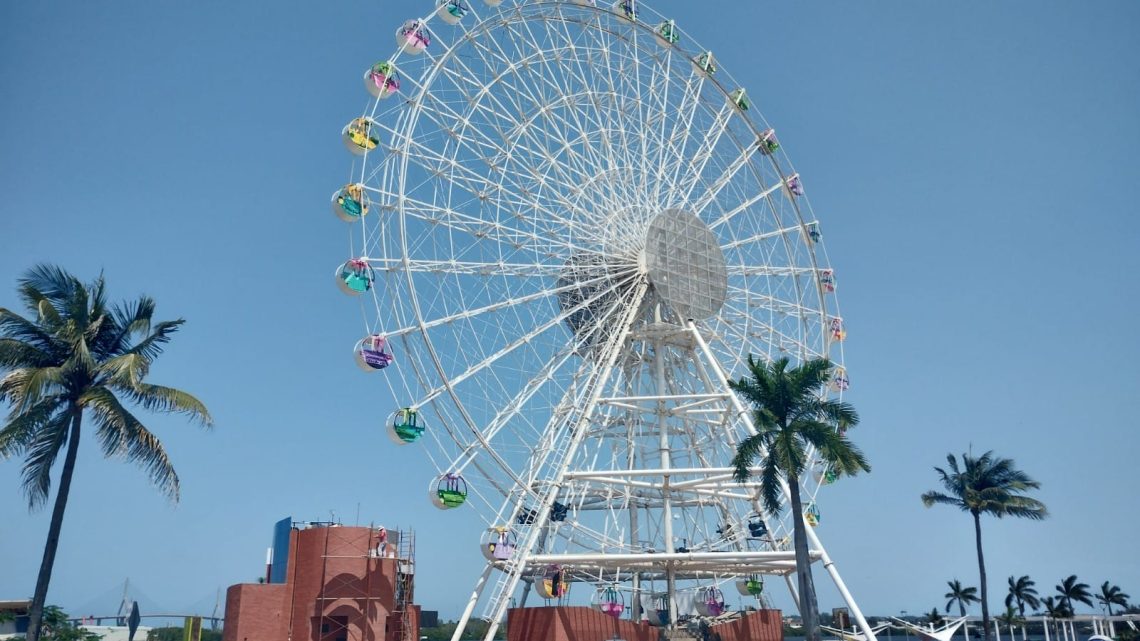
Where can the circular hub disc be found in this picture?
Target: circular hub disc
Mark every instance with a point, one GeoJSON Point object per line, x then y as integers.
{"type": "Point", "coordinates": [685, 264]}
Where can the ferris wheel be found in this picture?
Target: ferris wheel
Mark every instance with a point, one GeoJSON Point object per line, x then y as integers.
{"type": "Point", "coordinates": [569, 230]}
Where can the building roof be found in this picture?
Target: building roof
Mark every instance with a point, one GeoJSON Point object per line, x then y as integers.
{"type": "Point", "coordinates": [21, 604]}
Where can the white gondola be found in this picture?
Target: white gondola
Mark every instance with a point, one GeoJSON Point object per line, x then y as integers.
{"type": "Point", "coordinates": [350, 203]}
{"type": "Point", "coordinates": [381, 80]}
{"type": "Point", "coordinates": [609, 601]}
{"type": "Point", "coordinates": [355, 276]}
{"type": "Point", "coordinates": [413, 37]}
{"type": "Point", "coordinates": [451, 11]}
{"type": "Point", "coordinates": [359, 136]}
{"type": "Point", "coordinates": [667, 32]}
{"type": "Point", "coordinates": [553, 584]}
{"type": "Point", "coordinates": [499, 543]}
{"type": "Point", "coordinates": [709, 601]}
{"type": "Point", "coordinates": [626, 8]}
{"type": "Point", "coordinates": [839, 381]}
{"type": "Point", "coordinates": [448, 491]}
{"type": "Point", "coordinates": [406, 426]}
{"type": "Point", "coordinates": [704, 64]}
{"type": "Point", "coordinates": [373, 353]}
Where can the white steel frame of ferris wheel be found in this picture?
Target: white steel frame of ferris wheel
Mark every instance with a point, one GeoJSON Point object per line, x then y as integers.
{"type": "Point", "coordinates": [739, 562]}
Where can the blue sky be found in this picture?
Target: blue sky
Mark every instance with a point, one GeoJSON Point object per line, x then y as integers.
{"type": "Point", "coordinates": [973, 165]}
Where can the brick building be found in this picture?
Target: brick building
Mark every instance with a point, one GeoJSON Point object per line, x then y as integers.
{"type": "Point", "coordinates": [328, 582]}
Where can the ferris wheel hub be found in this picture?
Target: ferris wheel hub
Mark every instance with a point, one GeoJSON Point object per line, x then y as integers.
{"type": "Point", "coordinates": [685, 264]}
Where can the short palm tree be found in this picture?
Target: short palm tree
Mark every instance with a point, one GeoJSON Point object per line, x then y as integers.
{"type": "Point", "coordinates": [1010, 618]}
{"type": "Point", "coordinates": [1054, 610]}
{"type": "Point", "coordinates": [934, 617]}
{"type": "Point", "coordinates": [78, 356]}
{"type": "Point", "coordinates": [964, 596]}
{"type": "Point", "coordinates": [986, 485]}
{"type": "Point", "coordinates": [791, 417]}
{"type": "Point", "coordinates": [1071, 590]}
{"type": "Point", "coordinates": [1023, 593]}
{"type": "Point", "coordinates": [1111, 595]}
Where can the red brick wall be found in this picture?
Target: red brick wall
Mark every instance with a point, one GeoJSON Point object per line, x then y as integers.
{"type": "Point", "coordinates": [576, 623]}
{"type": "Point", "coordinates": [262, 613]}
{"type": "Point", "coordinates": [332, 584]}
{"type": "Point", "coordinates": [762, 625]}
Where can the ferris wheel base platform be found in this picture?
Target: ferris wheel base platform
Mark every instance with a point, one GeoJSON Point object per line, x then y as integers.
{"type": "Point", "coordinates": [580, 623]}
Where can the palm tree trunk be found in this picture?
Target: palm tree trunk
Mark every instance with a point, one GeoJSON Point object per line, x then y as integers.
{"type": "Point", "coordinates": [36, 611]}
{"type": "Point", "coordinates": [982, 575]}
{"type": "Point", "coordinates": [808, 607]}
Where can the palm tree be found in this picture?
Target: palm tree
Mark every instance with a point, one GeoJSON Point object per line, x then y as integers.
{"type": "Point", "coordinates": [963, 595]}
{"type": "Point", "coordinates": [1010, 619]}
{"type": "Point", "coordinates": [792, 417]}
{"type": "Point", "coordinates": [1110, 596]}
{"type": "Point", "coordinates": [80, 356]}
{"type": "Point", "coordinates": [986, 485]}
{"type": "Point", "coordinates": [1070, 590]}
{"type": "Point", "coordinates": [1023, 593]}
{"type": "Point", "coordinates": [934, 617]}
{"type": "Point", "coordinates": [1054, 610]}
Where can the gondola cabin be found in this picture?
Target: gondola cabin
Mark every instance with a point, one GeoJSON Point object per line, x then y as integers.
{"type": "Point", "coordinates": [813, 232]}
{"type": "Point", "coordinates": [667, 32]}
{"type": "Point", "coordinates": [703, 64]}
{"type": "Point", "coordinates": [825, 475]}
{"type": "Point", "coordinates": [627, 8]}
{"type": "Point", "coordinates": [451, 11]}
{"type": "Point", "coordinates": [413, 37]}
{"type": "Point", "coordinates": [812, 515]}
{"type": "Point", "coordinates": [751, 586]}
{"type": "Point", "coordinates": [355, 276]}
{"type": "Point", "coordinates": [827, 280]}
{"type": "Point", "coordinates": [359, 136]}
{"type": "Point", "coordinates": [381, 80]}
{"type": "Point", "coordinates": [552, 584]}
{"type": "Point", "coordinates": [795, 186]}
{"type": "Point", "coordinates": [350, 203]}
{"type": "Point", "coordinates": [373, 353]}
{"type": "Point", "coordinates": [406, 426]}
{"type": "Point", "coordinates": [609, 601]}
{"type": "Point", "coordinates": [768, 142]}
{"type": "Point", "coordinates": [839, 381]}
{"type": "Point", "coordinates": [740, 99]}
{"type": "Point", "coordinates": [450, 491]}
{"type": "Point", "coordinates": [837, 329]}
{"type": "Point", "coordinates": [499, 543]}
{"type": "Point", "coordinates": [710, 601]}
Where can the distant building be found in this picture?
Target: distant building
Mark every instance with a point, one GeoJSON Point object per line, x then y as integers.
{"type": "Point", "coordinates": [18, 626]}
{"type": "Point", "coordinates": [117, 632]}
{"type": "Point", "coordinates": [327, 582]}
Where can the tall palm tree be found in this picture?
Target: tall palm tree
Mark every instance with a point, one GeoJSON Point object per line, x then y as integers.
{"type": "Point", "coordinates": [1071, 590]}
{"type": "Point", "coordinates": [964, 596]}
{"type": "Point", "coordinates": [1111, 595]}
{"type": "Point", "coordinates": [1023, 593]}
{"type": "Point", "coordinates": [791, 417]}
{"type": "Point", "coordinates": [986, 485]}
{"type": "Point", "coordinates": [77, 356]}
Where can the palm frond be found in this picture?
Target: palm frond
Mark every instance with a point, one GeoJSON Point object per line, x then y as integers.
{"type": "Point", "coordinates": [120, 433]}
{"type": "Point", "coordinates": [770, 490]}
{"type": "Point", "coordinates": [42, 451]}
{"type": "Point", "coordinates": [932, 498]}
{"type": "Point", "coordinates": [22, 426]}
{"type": "Point", "coordinates": [157, 398]}
{"type": "Point", "coordinates": [16, 327]}
{"type": "Point", "coordinates": [19, 354]}
{"type": "Point", "coordinates": [748, 452]}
